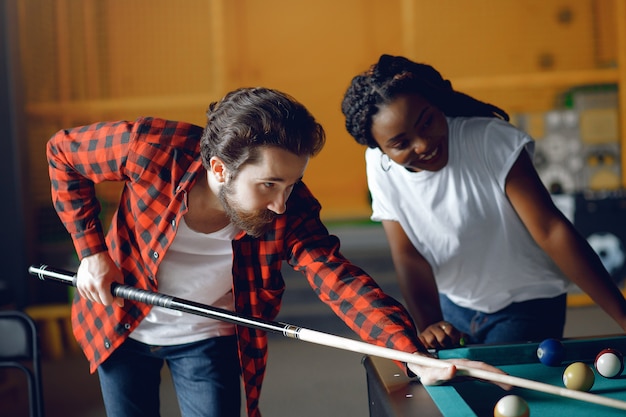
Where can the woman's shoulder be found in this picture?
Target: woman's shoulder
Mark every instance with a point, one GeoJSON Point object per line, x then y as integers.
{"type": "Point", "coordinates": [484, 130]}
{"type": "Point", "coordinates": [373, 160]}
{"type": "Point", "coordinates": [372, 153]}
{"type": "Point", "coordinates": [478, 123]}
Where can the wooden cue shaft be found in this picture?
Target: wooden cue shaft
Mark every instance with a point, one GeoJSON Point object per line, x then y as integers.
{"type": "Point", "coordinates": [325, 339]}
{"type": "Point", "coordinates": [543, 387]}
{"type": "Point", "coordinates": [366, 348]}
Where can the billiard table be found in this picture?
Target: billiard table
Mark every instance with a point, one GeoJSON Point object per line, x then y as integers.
{"type": "Point", "coordinates": [392, 394]}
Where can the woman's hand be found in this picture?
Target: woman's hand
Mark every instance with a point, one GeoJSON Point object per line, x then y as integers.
{"type": "Point", "coordinates": [441, 335]}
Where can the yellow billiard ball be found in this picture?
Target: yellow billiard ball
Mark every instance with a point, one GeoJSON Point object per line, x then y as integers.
{"type": "Point", "coordinates": [579, 376]}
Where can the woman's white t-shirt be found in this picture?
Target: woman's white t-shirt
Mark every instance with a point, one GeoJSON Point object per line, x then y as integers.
{"type": "Point", "coordinates": [196, 267]}
{"type": "Point", "coordinates": [460, 220]}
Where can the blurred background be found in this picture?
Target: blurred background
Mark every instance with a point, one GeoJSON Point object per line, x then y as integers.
{"type": "Point", "coordinates": [554, 65]}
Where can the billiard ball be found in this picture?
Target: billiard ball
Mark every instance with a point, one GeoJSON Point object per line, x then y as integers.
{"type": "Point", "coordinates": [551, 352]}
{"type": "Point", "coordinates": [609, 363]}
{"type": "Point", "coordinates": [579, 376]}
{"type": "Point", "coordinates": [511, 406]}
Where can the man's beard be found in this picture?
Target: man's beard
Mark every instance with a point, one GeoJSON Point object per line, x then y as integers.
{"type": "Point", "coordinates": [254, 223]}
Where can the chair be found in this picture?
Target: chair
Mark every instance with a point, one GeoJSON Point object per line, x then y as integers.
{"type": "Point", "coordinates": [19, 349]}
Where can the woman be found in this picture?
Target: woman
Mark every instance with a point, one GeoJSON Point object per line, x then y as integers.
{"type": "Point", "coordinates": [480, 250]}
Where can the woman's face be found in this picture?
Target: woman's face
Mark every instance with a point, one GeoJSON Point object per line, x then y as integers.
{"type": "Point", "coordinates": [412, 132]}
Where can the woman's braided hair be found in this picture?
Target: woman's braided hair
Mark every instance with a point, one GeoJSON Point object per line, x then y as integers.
{"type": "Point", "coordinates": [396, 75]}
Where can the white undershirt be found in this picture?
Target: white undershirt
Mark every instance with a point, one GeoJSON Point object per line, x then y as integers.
{"type": "Point", "coordinates": [196, 267]}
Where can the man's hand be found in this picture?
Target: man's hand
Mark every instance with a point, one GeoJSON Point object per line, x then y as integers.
{"type": "Point", "coordinates": [95, 275]}
{"type": "Point", "coordinates": [429, 375]}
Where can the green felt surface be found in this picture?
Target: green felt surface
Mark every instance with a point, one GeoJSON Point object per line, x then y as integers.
{"type": "Point", "coordinates": [475, 398]}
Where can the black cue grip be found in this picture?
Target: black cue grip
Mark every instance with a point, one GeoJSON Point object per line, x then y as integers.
{"type": "Point", "coordinates": [44, 272]}
{"type": "Point", "coordinates": [143, 296]}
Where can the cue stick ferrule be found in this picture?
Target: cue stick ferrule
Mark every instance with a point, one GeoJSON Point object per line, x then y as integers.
{"type": "Point", "coordinates": [291, 331]}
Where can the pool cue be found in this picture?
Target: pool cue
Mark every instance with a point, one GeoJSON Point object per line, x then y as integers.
{"type": "Point", "coordinates": [44, 272]}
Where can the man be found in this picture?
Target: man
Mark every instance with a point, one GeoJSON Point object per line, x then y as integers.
{"type": "Point", "coordinates": [206, 215]}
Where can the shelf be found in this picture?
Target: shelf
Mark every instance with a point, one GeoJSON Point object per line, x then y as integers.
{"type": "Point", "coordinates": [539, 79]}
{"type": "Point", "coordinates": [94, 107]}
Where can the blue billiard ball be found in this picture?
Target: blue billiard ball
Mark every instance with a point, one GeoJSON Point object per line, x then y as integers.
{"type": "Point", "coordinates": [551, 352]}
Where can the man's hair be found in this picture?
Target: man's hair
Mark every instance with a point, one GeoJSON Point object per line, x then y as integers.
{"type": "Point", "coordinates": [392, 76]}
{"type": "Point", "coordinates": [249, 118]}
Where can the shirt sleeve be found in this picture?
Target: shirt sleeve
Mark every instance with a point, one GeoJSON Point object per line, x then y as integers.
{"type": "Point", "coordinates": [503, 144]}
{"type": "Point", "coordinates": [350, 292]}
{"type": "Point", "coordinates": [79, 158]}
{"type": "Point", "coordinates": [379, 186]}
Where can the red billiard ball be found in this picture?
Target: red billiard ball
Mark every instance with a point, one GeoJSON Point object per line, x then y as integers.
{"type": "Point", "coordinates": [579, 376]}
{"type": "Point", "coordinates": [609, 363]}
{"type": "Point", "coordinates": [511, 406]}
{"type": "Point", "coordinates": [551, 352]}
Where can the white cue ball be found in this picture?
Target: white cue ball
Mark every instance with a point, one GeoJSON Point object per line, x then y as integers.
{"type": "Point", "coordinates": [511, 406]}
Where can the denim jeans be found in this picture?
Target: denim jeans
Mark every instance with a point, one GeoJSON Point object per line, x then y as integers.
{"type": "Point", "coordinates": [527, 321]}
{"type": "Point", "coordinates": [206, 378]}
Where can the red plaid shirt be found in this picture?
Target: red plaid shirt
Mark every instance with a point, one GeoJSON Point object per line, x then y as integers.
{"type": "Point", "coordinates": [158, 161]}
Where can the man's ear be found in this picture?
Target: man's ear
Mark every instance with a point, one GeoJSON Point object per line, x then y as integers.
{"type": "Point", "coordinates": [218, 169]}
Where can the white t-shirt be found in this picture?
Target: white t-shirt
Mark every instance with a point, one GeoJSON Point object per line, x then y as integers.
{"type": "Point", "coordinates": [460, 220]}
{"type": "Point", "coordinates": [196, 267]}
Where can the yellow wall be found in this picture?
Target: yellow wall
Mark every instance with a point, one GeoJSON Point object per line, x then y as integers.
{"type": "Point", "coordinates": [88, 60]}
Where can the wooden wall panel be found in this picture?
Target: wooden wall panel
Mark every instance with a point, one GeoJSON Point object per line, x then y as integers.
{"type": "Point", "coordinates": [311, 50]}
{"type": "Point", "coordinates": [159, 48]}
{"type": "Point", "coordinates": [492, 38]}
{"type": "Point", "coordinates": [87, 60]}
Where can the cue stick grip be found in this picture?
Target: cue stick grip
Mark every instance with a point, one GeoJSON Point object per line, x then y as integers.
{"type": "Point", "coordinates": [158, 299]}
{"type": "Point", "coordinates": [45, 272]}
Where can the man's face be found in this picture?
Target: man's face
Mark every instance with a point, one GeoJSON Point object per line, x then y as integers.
{"type": "Point", "coordinates": [260, 191]}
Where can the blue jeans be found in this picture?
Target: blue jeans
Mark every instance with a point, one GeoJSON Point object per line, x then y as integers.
{"type": "Point", "coordinates": [533, 320]}
{"type": "Point", "coordinates": [206, 378]}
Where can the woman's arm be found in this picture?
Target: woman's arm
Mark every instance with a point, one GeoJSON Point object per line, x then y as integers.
{"type": "Point", "coordinates": [419, 289]}
{"type": "Point", "coordinates": [556, 235]}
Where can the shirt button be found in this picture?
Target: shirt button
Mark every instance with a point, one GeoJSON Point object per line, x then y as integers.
{"type": "Point", "coordinates": [155, 255]}
{"type": "Point", "coordinates": [174, 223]}
{"type": "Point", "coordinates": [107, 344]}
{"type": "Point", "coordinates": [127, 326]}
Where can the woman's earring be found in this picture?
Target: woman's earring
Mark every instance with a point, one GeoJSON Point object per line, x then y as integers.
{"type": "Point", "coordinates": [385, 162]}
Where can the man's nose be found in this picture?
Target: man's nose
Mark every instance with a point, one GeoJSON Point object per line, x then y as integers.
{"type": "Point", "coordinates": [279, 204]}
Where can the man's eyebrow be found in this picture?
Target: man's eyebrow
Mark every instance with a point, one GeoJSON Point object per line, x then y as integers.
{"type": "Point", "coordinates": [278, 179]}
